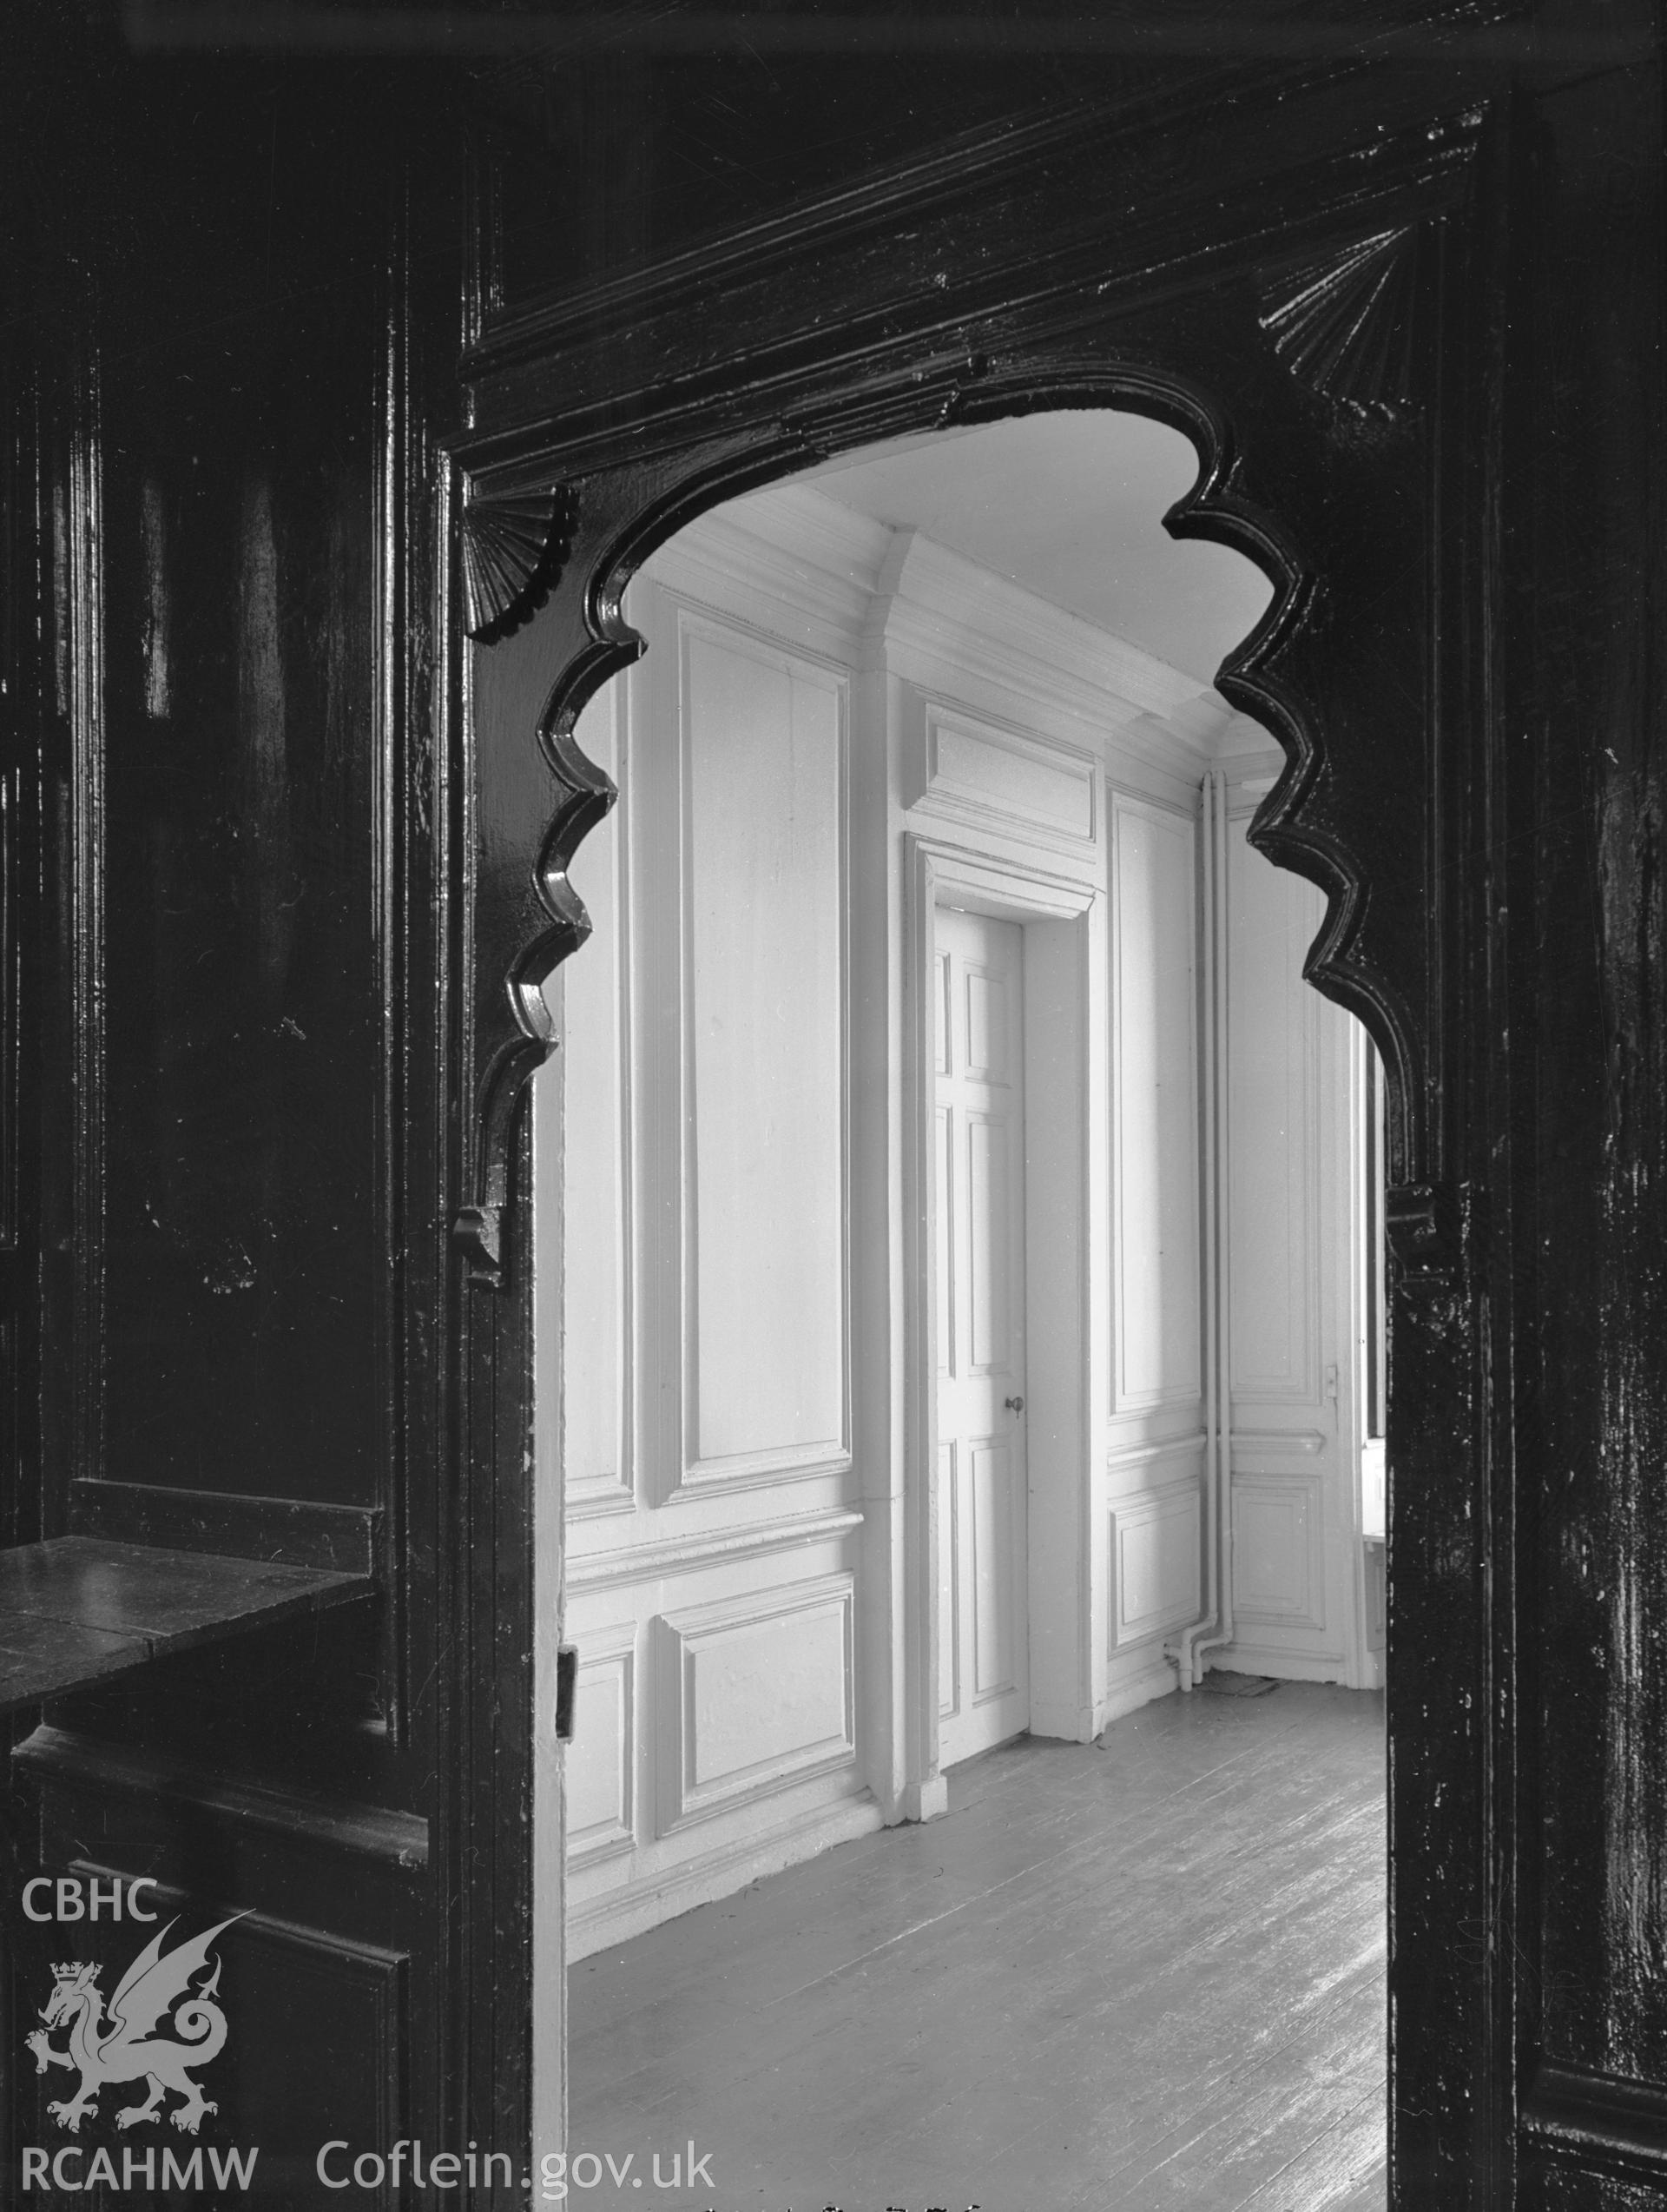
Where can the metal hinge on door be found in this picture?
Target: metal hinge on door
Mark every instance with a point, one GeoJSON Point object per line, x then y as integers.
{"type": "Point", "coordinates": [567, 1676]}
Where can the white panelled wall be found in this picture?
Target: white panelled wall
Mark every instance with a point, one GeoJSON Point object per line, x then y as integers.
{"type": "Point", "coordinates": [794, 1579]}
{"type": "Point", "coordinates": [1301, 1578]}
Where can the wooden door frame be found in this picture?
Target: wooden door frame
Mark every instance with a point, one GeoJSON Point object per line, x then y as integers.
{"type": "Point", "coordinates": [1319, 312]}
{"type": "Point", "coordinates": [1020, 892]}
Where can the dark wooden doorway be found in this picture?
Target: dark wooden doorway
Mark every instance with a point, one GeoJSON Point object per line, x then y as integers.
{"type": "Point", "coordinates": [1322, 316]}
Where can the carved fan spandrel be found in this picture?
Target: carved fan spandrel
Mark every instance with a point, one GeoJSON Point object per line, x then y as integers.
{"type": "Point", "coordinates": [514, 545]}
{"type": "Point", "coordinates": [1342, 323]}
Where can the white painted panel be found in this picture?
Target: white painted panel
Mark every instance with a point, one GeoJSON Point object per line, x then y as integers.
{"type": "Point", "coordinates": [1273, 1061]}
{"type": "Point", "coordinates": [764, 740]}
{"type": "Point", "coordinates": [601, 1758]}
{"type": "Point", "coordinates": [989, 1028]}
{"type": "Point", "coordinates": [1019, 780]}
{"type": "Point", "coordinates": [1376, 1619]}
{"type": "Point", "coordinates": [940, 1014]}
{"type": "Point", "coordinates": [1156, 1564]}
{"type": "Point", "coordinates": [990, 1256]}
{"type": "Point", "coordinates": [594, 1215]}
{"type": "Point", "coordinates": [1154, 1108]}
{"type": "Point", "coordinates": [756, 1693]}
{"type": "Point", "coordinates": [945, 1234]}
{"type": "Point", "coordinates": [949, 1544]}
{"type": "Point", "coordinates": [1068, 1311]}
{"type": "Point", "coordinates": [995, 1639]}
{"type": "Point", "coordinates": [767, 1691]}
{"type": "Point", "coordinates": [1273, 1564]}
{"type": "Point", "coordinates": [1296, 1574]}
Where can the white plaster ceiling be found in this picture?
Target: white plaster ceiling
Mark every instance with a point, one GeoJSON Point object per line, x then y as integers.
{"type": "Point", "coordinates": [1070, 505]}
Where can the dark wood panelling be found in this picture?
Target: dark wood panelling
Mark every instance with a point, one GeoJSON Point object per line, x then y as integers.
{"type": "Point", "coordinates": [296, 2088]}
{"type": "Point", "coordinates": [295, 1532]}
{"type": "Point", "coordinates": [1566, 2188]}
{"type": "Point", "coordinates": [94, 1767]}
{"type": "Point", "coordinates": [650, 132]}
{"type": "Point", "coordinates": [1593, 1265]}
{"type": "Point", "coordinates": [315, 2048]}
{"type": "Point", "coordinates": [1594, 2120]}
{"type": "Point", "coordinates": [21, 706]}
{"type": "Point", "coordinates": [490, 1592]}
{"type": "Point", "coordinates": [247, 1090]}
{"type": "Point", "coordinates": [237, 932]}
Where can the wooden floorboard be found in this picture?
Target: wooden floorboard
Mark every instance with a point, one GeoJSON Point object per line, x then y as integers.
{"type": "Point", "coordinates": [1145, 1975]}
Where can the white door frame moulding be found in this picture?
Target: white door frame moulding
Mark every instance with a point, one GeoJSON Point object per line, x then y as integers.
{"type": "Point", "coordinates": [1065, 1298]}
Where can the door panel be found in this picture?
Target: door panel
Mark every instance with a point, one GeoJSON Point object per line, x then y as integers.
{"type": "Point", "coordinates": [988, 1244]}
{"type": "Point", "coordinates": [949, 1638]}
{"type": "Point", "coordinates": [946, 1241]}
{"type": "Point", "coordinates": [983, 1690]}
{"type": "Point", "coordinates": [998, 1541]}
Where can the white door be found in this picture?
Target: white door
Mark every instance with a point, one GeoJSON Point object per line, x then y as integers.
{"type": "Point", "coordinates": [983, 1620]}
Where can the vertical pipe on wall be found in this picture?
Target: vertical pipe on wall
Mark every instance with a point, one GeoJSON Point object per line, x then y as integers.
{"type": "Point", "coordinates": [1215, 1625]}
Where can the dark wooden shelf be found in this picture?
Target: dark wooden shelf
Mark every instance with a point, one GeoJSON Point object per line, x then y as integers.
{"type": "Point", "coordinates": [79, 1609]}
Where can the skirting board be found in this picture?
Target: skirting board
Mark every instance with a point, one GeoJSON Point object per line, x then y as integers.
{"type": "Point", "coordinates": [1154, 1677]}
{"type": "Point", "coordinates": [637, 1906]}
{"type": "Point", "coordinates": [1284, 1666]}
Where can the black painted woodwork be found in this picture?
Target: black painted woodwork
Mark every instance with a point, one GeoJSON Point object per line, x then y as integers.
{"type": "Point", "coordinates": [74, 1609]}
{"type": "Point", "coordinates": [301, 350]}
{"type": "Point", "coordinates": [232, 683]}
